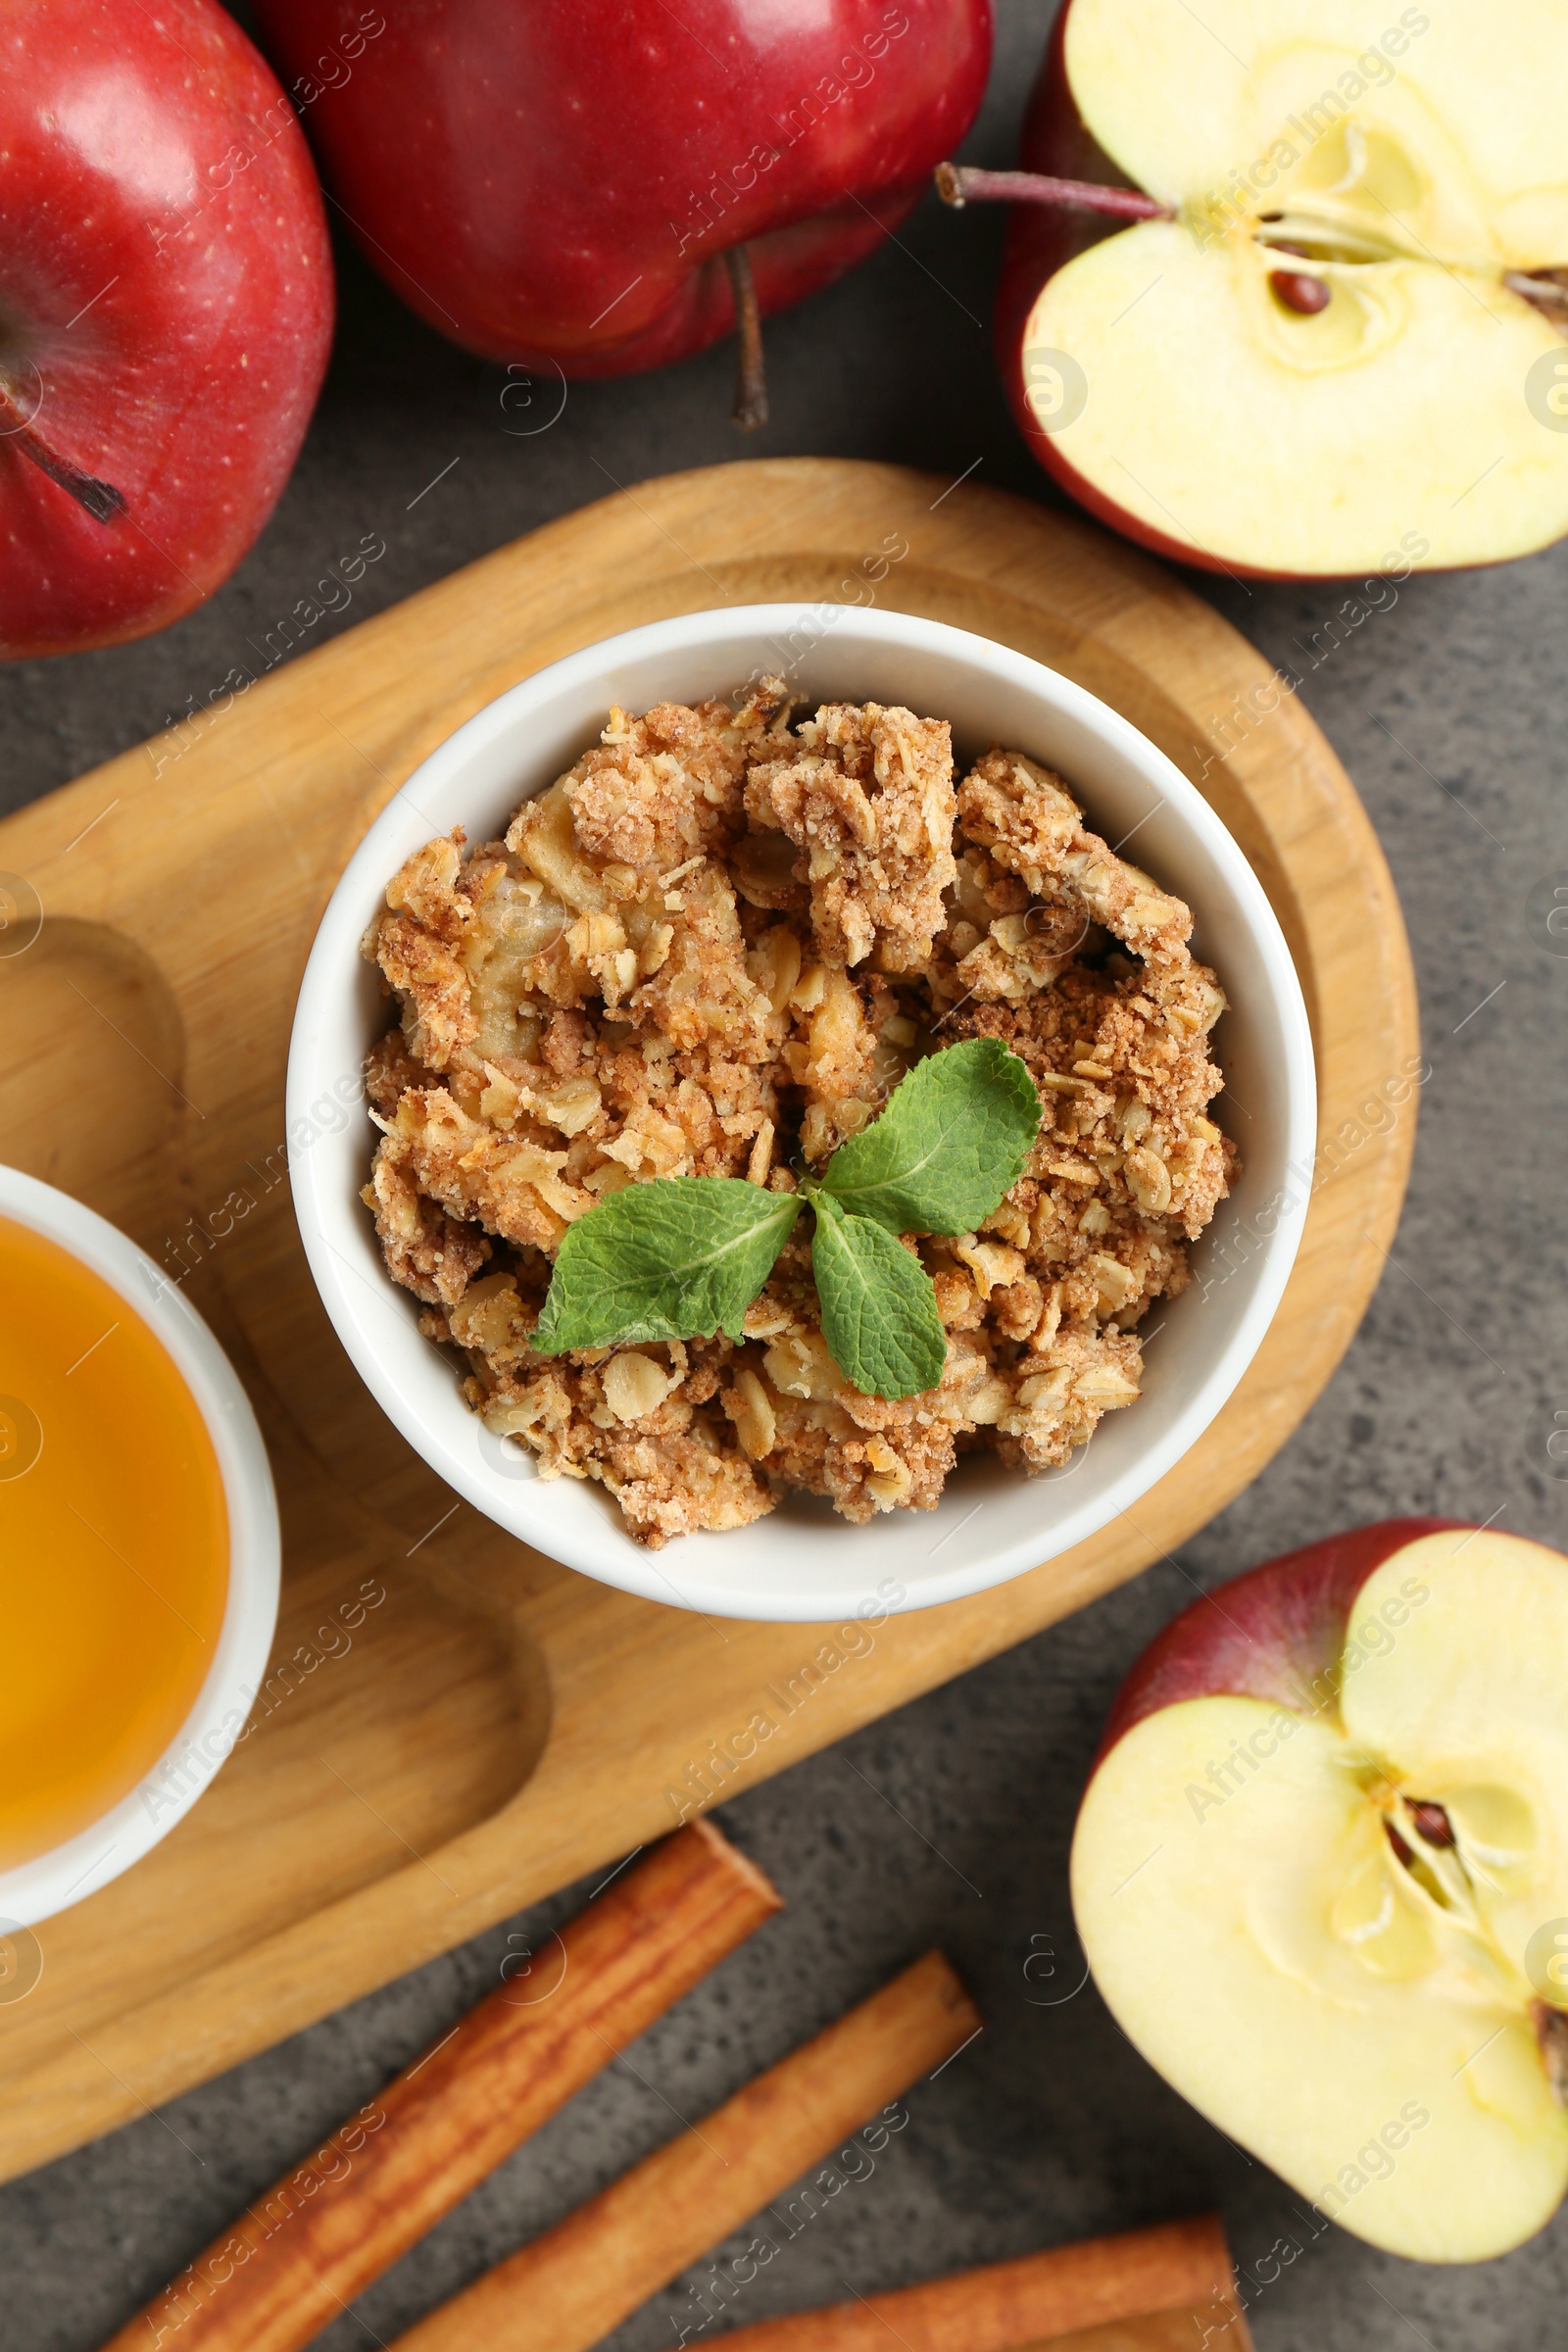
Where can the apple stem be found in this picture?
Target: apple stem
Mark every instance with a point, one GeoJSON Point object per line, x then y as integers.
{"type": "Point", "coordinates": [102, 501]}
{"type": "Point", "coordinates": [1547, 290]}
{"type": "Point", "coordinates": [1552, 2036]}
{"type": "Point", "coordinates": [750, 378]}
{"type": "Point", "coordinates": [960, 184]}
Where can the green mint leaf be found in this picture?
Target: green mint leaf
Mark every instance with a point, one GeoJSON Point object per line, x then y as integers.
{"type": "Point", "coordinates": [952, 1140]}
{"type": "Point", "coordinates": [879, 1310]}
{"type": "Point", "coordinates": [677, 1258]}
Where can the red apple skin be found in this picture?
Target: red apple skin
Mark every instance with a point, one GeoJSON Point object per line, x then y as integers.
{"type": "Point", "coordinates": [532, 175]}
{"type": "Point", "coordinates": [166, 308]}
{"type": "Point", "coordinates": [1269, 1634]}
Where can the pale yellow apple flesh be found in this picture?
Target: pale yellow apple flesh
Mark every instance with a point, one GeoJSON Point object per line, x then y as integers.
{"type": "Point", "coordinates": [1399, 426]}
{"type": "Point", "coordinates": [1381, 2030]}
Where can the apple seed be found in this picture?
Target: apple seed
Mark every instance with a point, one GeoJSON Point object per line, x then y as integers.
{"type": "Point", "coordinates": [1431, 1822]}
{"type": "Point", "coordinates": [1297, 290]}
{"type": "Point", "coordinates": [1405, 1853]}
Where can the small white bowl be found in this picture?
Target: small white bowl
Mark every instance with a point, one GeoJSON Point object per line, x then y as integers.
{"type": "Point", "coordinates": [802, 1562]}
{"type": "Point", "coordinates": [70, 1872]}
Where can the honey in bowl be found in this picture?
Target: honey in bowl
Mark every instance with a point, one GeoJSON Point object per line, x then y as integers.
{"type": "Point", "coordinates": [113, 1546]}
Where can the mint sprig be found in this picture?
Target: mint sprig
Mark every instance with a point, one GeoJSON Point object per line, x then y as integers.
{"type": "Point", "coordinates": [679, 1258]}
{"type": "Point", "coordinates": [676, 1258]}
{"type": "Point", "coordinates": [952, 1140]}
{"type": "Point", "coordinates": [879, 1309]}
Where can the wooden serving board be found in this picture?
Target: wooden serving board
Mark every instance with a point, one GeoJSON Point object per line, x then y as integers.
{"type": "Point", "coordinates": [494, 1725]}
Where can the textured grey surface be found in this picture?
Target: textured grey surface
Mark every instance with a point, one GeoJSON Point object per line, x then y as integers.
{"type": "Point", "coordinates": [1447, 708]}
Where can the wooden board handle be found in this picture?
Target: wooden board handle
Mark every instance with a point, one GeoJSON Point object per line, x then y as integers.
{"type": "Point", "coordinates": [1034, 2300]}
{"type": "Point", "coordinates": [294, 2258]}
{"type": "Point", "coordinates": [570, 2286]}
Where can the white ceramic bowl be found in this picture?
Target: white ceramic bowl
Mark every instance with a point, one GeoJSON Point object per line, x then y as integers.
{"type": "Point", "coordinates": [70, 1873]}
{"type": "Point", "coordinates": [802, 1562]}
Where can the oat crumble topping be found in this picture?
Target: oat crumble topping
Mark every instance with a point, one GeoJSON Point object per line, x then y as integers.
{"type": "Point", "coordinates": [712, 948]}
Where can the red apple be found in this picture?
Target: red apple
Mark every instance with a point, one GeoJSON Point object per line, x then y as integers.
{"type": "Point", "coordinates": [1334, 341]}
{"type": "Point", "coordinates": [165, 308]}
{"type": "Point", "coordinates": [1321, 1876]}
{"type": "Point", "coordinates": [562, 180]}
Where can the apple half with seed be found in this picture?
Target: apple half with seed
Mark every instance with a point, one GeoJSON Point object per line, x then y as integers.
{"type": "Point", "coordinates": [1321, 1876]}
{"type": "Point", "coordinates": [1313, 317]}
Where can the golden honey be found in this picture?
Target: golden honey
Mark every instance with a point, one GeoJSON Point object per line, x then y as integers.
{"type": "Point", "coordinates": [113, 1546]}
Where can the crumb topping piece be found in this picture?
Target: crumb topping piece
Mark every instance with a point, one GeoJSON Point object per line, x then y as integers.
{"type": "Point", "coordinates": [713, 947]}
{"type": "Point", "coordinates": [868, 801]}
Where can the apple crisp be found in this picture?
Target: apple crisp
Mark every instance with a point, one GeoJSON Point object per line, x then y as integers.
{"type": "Point", "coordinates": [712, 948]}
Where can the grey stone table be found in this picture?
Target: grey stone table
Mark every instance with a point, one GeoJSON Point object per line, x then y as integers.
{"type": "Point", "coordinates": [950, 1821]}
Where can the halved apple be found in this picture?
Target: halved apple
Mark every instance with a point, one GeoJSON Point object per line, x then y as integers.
{"type": "Point", "coordinates": [1343, 345]}
{"type": "Point", "coordinates": [1321, 1878]}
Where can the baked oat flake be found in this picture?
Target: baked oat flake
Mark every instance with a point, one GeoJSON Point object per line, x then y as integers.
{"type": "Point", "coordinates": [713, 947]}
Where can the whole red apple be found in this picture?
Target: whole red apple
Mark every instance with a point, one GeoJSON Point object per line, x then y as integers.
{"type": "Point", "coordinates": [165, 308]}
{"type": "Point", "coordinates": [562, 179]}
{"type": "Point", "coordinates": [1320, 1873]}
{"type": "Point", "coordinates": [1309, 317]}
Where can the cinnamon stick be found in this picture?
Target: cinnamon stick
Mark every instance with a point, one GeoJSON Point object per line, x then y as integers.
{"type": "Point", "coordinates": [1037, 2299]}
{"type": "Point", "coordinates": [570, 2286]}
{"type": "Point", "coordinates": [1188, 2329]}
{"type": "Point", "coordinates": [292, 2260]}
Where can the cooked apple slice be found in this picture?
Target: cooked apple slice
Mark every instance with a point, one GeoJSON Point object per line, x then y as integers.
{"type": "Point", "coordinates": [1321, 1878]}
{"type": "Point", "coordinates": [1336, 353]}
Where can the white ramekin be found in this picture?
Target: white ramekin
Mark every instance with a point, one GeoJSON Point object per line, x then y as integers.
{"type": "Point", "coordinates": [69, 1873]}
{"type": "Point", "coordinates": [802, 1562]}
